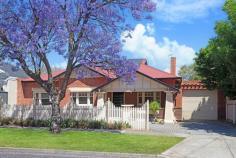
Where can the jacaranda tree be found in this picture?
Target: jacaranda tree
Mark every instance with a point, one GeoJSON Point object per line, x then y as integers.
{"type": "Point", "coordinates": [84, 32]}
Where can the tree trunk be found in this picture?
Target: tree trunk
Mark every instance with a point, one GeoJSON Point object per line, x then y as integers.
{"type": "Point", "coordinates": [56, 116]}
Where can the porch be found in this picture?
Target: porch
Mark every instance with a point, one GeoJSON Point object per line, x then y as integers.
{"type": "Point", "coordinates": [143, 89]}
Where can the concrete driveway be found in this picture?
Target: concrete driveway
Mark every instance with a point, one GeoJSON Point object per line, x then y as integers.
{"type": "Point", "coordinates": [210, 139]}
{"type": "Point", "coordinates": [195, 128]}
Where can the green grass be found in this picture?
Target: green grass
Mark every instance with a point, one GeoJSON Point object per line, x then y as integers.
{"type": "Point", "coordinates": [86, 141]}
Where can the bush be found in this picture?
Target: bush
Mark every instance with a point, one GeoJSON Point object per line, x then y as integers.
{"type": "Point", "coordinates": [83, 124]}
{"type": "Point", "coordinates": [154, 107]}
{"type": "Point", "coordinates": [67, 123]}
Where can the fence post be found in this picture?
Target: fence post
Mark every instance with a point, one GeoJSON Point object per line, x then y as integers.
{"type": "Point", "coordinates": [107, 109]}
{"type": "Point", "coordinates": [147, 116]}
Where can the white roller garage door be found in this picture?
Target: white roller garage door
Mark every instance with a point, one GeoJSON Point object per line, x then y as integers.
{"type": "Point", "coordinates": [199, 105]}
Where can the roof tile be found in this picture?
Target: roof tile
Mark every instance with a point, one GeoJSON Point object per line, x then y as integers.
{"type": "Point", "coordinates": [193, 85]}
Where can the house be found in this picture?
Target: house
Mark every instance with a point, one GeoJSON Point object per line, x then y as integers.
{"type": "Point", "coordinates": [94, 90]}
{"type": "Point", "coordinates": [8, 77]}
{"type": "Point", "coordinates": [187, 100]}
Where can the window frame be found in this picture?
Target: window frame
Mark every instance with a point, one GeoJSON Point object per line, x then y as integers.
{"type": "Point", "coordinates": [147, 95]}
{"type": "Point", "coordinates": [142, 95]}
{"type": "Point", "coordinates": [38, 98]}
{"type": "Point", "coordinates": [77, 95]}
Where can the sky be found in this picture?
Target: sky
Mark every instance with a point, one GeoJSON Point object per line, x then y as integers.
{"type": "Point", "coordinates": [179, 28]}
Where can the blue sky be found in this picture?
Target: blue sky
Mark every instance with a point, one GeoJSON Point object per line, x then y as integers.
{"type": "Point", "coordinates": [179, 28]}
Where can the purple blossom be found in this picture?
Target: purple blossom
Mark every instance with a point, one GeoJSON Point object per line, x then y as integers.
{"type": "Point", "coordinates": [85, 32]}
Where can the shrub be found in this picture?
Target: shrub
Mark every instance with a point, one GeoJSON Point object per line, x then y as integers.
{"type": "Point", "coordinates": [67, 123]}
{"type": "Point", "coordinates": [154, 107]}
{"type": "Point", "coordinates": [83, 124]}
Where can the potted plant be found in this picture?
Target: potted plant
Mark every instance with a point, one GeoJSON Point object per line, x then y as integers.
{"type": "Point", "coordinates": [154, 110]}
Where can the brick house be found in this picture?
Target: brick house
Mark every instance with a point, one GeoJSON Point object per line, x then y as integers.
{"type": "Point", "coordinates": [150, 84]}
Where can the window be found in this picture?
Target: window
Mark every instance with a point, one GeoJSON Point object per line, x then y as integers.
{"type": "Point", "coordinates": [45, 99]}
{"type": "Point", "coordinates": [118, 98]}
{"type": "Point", "coordinates": [82, 98]}
{"type": "Point", "coordinates": [149, 96]}
{"type": "Point", "coordinates": [41, 99]}
{"type": "Point", "coordinates": [91, 98]}
{"type": "Point", "coordinates": [140, 98]}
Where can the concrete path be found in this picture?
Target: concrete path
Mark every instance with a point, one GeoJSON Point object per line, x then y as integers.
{"type": "Point", "coordinates": [34, 153]}
{"type": "Point", "coordinates": [200, 146]}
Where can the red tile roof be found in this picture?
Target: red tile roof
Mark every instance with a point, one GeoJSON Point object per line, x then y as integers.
{"type": "Point", "coordinates": [106, 73]}
{"type": "Point", "coordinates": [44, 76]}
{"type": "Point", "coordinates": [154, 72]}
{"type": "Point", "coordinates": [193, 85]}
{"type": "Point", "coordinates": [143, 68]}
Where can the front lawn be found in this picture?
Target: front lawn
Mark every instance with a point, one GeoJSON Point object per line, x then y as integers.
{"type": "Point", "coordinates": [86, 141]}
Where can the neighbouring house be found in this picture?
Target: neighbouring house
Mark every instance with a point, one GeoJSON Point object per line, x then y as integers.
{"type": "Point", "coordinates": [187, 100]}
{"type": "Point", "coordinates": [8, 77]}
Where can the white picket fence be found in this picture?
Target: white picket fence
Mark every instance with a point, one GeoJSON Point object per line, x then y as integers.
{"type": "Point", "coordinates": [136, 117]}
{"type": "Point", "coordinates": [40, 112]}
{"type": "Point", "coordinates": [231, 111]}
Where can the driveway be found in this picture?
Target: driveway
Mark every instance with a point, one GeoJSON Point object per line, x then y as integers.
{"type": "Point", "coordinates": [195, 128]}
{"type": "Point", "coordinates": [210, 139]}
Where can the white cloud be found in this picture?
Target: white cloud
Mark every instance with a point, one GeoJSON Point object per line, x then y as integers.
{"type": "Point", "coordinates": [185, 10]}
{"type": "Point", "coordinates": [150, 28]}
{"type": "Point", "coordinates": [142, 45]}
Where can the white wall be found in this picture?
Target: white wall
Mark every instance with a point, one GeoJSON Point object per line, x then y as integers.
{"type": "Point", "coordinates": [200, 105]}
{"type": "Point", "coordinates": [11, 88]}
{"type": "Point", "coordinates": [100, 99]}
{"type": "Point", "coordinates": [169, 113]}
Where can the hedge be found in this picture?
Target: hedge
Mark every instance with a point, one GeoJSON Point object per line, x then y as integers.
{"type": "Point", "coordinates": [67, 123]}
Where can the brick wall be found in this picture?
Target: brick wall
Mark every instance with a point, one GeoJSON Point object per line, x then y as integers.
{"type": "Point", "coordinates": [25, 88]}
{"type": "Point", "coordinates": [178, 99]}
{"type": "Point", "coordinates": [131, 98]}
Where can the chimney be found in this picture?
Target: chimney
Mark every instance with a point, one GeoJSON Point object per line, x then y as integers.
{"type": "Point", "coordinates": [173, 66]}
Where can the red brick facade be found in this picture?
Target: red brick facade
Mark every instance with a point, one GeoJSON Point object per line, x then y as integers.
{"type": "Point", "coordinates": [25, 88]}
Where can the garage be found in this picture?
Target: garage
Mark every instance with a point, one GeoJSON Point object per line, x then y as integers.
{"type": "Point", "coordinates": [199, 103]}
